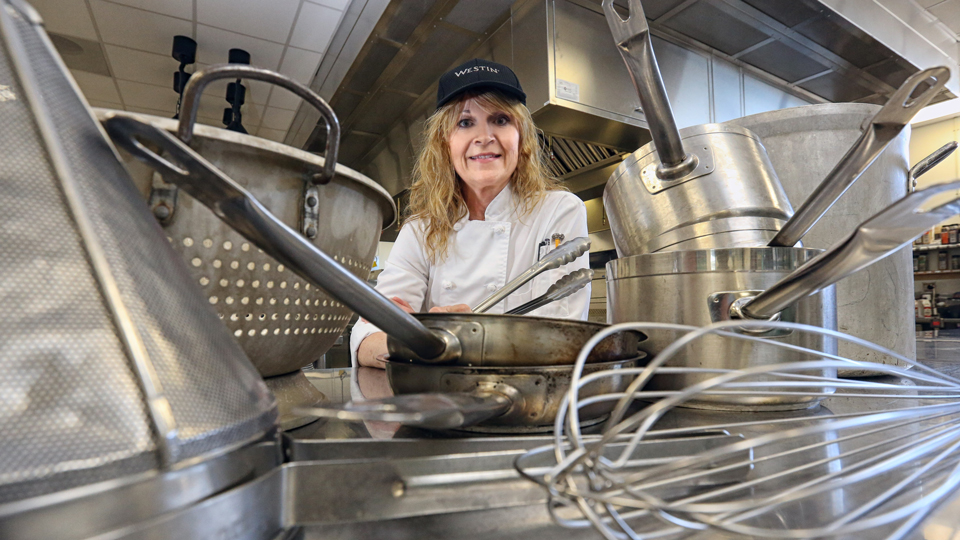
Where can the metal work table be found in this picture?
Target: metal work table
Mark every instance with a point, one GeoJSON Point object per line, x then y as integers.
{"type": "Point", "coordinates": [463, 486]}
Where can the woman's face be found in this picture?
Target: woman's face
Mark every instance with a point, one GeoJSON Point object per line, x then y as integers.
{"type": "Point", "coordinates": [484, 146]}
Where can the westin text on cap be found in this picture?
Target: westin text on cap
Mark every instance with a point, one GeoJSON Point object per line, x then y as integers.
{"type": "Point", "coordinates": [476, 74]}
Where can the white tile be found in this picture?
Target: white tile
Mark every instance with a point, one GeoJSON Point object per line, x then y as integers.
{"type": "Point", "coordinates": [104, 104]}
{"type": "Point", "coordinates": [68, 17]}
{"type": "Point", "coordinates": [214, 44]}
{"type": "Point", "coordinates": [96, 87]}
{"type": "Point", "coordinates": [263, 19]}
{"type": "Point", "coordinates": [277, 119]}
{"type": "Point", "coordinates": [175, 8]}
{"type": "Point", "coordinates": [272, 134]}
{"type": "Point", "coordinates": [315, 27]}
{"type": "Point", "coordinates": [300, 64]}
{"type": "Point", "coordinates": [282, 99]}
{"type": "Point", "coordinates": [148, 96]}
{"type": "Point", "coordinates": [150, 111]}
{"type": "Point", "coordinates": [138, 29]}
{"type": "Point", "coordinates": [335, 4]}
{"type": "Point", "coordinates": [139, 66]}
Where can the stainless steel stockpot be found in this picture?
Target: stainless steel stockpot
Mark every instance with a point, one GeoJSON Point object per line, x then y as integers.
{"type": "Point", "coordinates": [697, 288]}
{"type": "Point", "coordinates": [733, 197]}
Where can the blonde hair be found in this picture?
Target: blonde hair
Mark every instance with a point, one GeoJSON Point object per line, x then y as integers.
{"type": "Point", "coordinates": [436, 196]}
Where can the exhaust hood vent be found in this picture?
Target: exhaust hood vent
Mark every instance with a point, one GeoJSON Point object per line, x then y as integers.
{"type": "Point", "coordinates": [567, 156]}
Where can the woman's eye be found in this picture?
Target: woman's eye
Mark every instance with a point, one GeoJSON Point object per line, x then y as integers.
{"type": "Point", "coordinates": [502, 120]}
{"type": "Point", "coordinates": [464, 123]}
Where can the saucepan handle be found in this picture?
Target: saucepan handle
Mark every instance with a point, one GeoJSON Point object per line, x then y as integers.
{"type": "Point", "coordinates": [564, 254]}
{"type": "Point", "coordinates": [239, 209]}
{"type": "Point", "coordinates": [636, 47]}
{"type": "Point", "coordinates": [435, 410]}
{"type": "Point", "coordinates": [883, 128]}
{"type": "Point", "coordinates": [881, 235]}
{"type": "Point", "coordinates": [928, 163]}
{"type": "Point", "coordinates": [200, 79]}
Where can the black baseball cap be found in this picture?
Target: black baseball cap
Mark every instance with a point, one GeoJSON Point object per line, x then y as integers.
{"type": "Point", "coordinates": [479, 74]}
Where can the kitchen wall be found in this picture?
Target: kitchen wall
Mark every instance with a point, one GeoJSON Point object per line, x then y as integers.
{"type": "Point", "coordinates": [925, 139]}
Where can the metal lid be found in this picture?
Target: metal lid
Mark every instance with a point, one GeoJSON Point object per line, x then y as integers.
{"type": "Point", "coordinates": [762, 259]}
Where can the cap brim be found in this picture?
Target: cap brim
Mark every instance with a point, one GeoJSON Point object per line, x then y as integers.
{"type": "Point", "coordinates": [501, 87]}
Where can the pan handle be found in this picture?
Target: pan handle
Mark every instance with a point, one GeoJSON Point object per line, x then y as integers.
{"type": "Point", "coordinates": [883, 128]}
{"type": "Point", "coordinates": [239, 209]}
{"type": "Point", "coordinates": [928, 163]}
{"type": "Point", "coordinates": [881, 235]}
{"type": "Point", "coordinates": [434, 410]}
{"type": "Point", "coordinates": [565, 253]}
{"type": "Point", "coordinates": [635, 45]}
{"type": "Point", "coordinates": [564, 287]}
{"type": "Point", "coordinates": [201, 78]}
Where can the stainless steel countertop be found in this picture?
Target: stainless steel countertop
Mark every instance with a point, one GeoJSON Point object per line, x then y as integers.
{"type": "Point", "coordinates": [513, 509]}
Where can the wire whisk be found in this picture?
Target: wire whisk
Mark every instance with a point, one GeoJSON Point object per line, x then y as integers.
{"type": "Point", "coordinates": [877, 455]}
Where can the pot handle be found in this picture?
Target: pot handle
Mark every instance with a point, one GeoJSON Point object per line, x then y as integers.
{"type": "Point", "coordinates": [565, 253]}
{"type": "Point", "coordinates": [434, 410]}
{"type": "Point", "coordinates": [928, 163]}
{"type": "Point", "coordinates": [239, 209]}
{"type": "Point", "coordinates": [881, 235]}
{"type": "Point", "coordinates": [882, 128]}
{"type": "Point", "coordinates": [635, 45]}
{"type": "Point", "coordinates": [201, 78]}
{"type": "Point", "coordinates": [564, 287]}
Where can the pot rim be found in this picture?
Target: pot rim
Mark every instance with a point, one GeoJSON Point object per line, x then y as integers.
{"type": "Point", "coordinates": [744, 259]}
{"type": "Point", "coordinates": [259, 144]}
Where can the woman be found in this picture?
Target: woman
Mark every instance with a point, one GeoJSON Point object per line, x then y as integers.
{"type": "Point", "coordinates": [482, 210]}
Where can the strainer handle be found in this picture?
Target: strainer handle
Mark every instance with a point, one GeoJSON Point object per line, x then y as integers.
{"type": "Point", "coordinates": [201, 78]}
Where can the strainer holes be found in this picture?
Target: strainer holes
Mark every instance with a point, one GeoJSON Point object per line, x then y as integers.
{"type": "Point", "coordinates": [224, 282]}
{"type": "Point", "coordinates": [217, 263]}
{"type": "Point", "coordinates": [296, 302]}
{"type": "Point", "coordinates": [324, 303]}
{"type": "Point", "coordinates": [286, 301]}
{"type": "Point", "coordinates": [323, 317]}
{"type": "Point", "coordinates": [286, 317]}
{"type": "Point", "coordinates": [245, 246]}
{"type": "Point", "coordinates": [207, 243]}
{"type": "Point", "coordinates": [255, 283]}
{"type": "Point", "coordinates": [260, 301]}
{"type": "Point", "coordinates": [235, 265]}
{"type": "Point", "coordinates": [276, 332]}
{"type": "Point", "coordinates": [251, 266]}
{"type": "Point", "coordinates": [297, 318]}
{"type": "Point", "coordinates": [306, 287]}
{"type": "Point", "coordinates": [269, 284]}
{"type": "Point", "coordinates": [238, 333]}
{"type": "Point", "coordinates": [213, 299]}
{"type": "Point", "coordinates": [196, 261]}
{"type": "Point", "coordinates": [264, 332]}
{"type": "Point", "coordinates": [245, 300]}
{"type": "Point", "coordinates": [204, 281]}
{"type": "Point", "coordinates": [296, 331]}
{"type": "Point", "coordinates": [188, 241]}
{"type": "Point", "coordinates": [283, 284]}
{"type": "Point", "coordinates": [273, 301]}
{"type": "Point", "coordinates": [266, 267]}
{"type": "Point", "coordinates": [286, 332]}
{"type": "Point", "coordinates": [263, 316]}
{"type": "Point", "coordinates": [248, 317]}
{"type": "Point", "coordinates": [274, 317]}
{"type": "Point", "coordinates": [241, 283]}
{"type": "Point", "coordinates": [228, 245]}
{"type": "Point", "coordinates": [252, 333]}
{"type": "Point", "coordinates": [279, 268]}
{"type": "Point", "coordinates": [234, 317]}
{"type": "Point", "coordinates": [306, 302]}
{"type": "Point", "coordinates": [228, 300]}
{"type": "Point", "coordinates": [296, 285]}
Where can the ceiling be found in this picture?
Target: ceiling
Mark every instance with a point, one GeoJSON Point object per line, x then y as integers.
{"type": "Point", "coordinates": [120, 51]}
{"type": "Point", "coordinates": [947, 11]}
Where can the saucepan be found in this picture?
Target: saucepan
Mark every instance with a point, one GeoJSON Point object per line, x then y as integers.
{"type": "Point", "coordinates": [476, 340]}
{"type": "Point", "coordinates": [518, 399]}
{"type": "Point", "coordinates": [699, 287]}
{"type": "Point", "coordinates": [712, 185]}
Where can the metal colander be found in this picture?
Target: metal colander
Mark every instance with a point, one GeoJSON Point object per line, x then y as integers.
{"type": "Point", "coordinates": [111, 362]}
{"type": "Point", "coordinates": [282, 322]}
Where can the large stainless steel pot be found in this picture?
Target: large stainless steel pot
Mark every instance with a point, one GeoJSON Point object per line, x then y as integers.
{"type": "Point", "coordinates": [705, 286]}
{"type": "Point", "coordinates": [282, 322]}
{"type": "Point", "coordinates": [519, 399]}
{"type": "Point", "coordinates": [703, 186]}
{"type": "Point", "coordinates": [115, 374]}
{"type": "Point", "coordinates": [471, 340]}
{"type": "Point", "coordinates": [804, 143]}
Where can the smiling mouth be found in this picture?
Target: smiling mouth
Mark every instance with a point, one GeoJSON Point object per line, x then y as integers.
{"type": "Point", "coordinates": [485, 157]}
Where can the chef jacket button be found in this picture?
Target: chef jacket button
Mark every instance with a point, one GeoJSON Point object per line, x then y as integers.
{"type": "Point", "coordinates": [499, 229]}
{"type": "Point", "coordinates": [449, 285]}
{"type": "Point", "coordinates": [491, 287]}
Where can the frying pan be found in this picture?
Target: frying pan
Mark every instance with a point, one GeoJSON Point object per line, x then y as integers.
{"type": "Point", "coordinates": [464, 339]}
{"type": "Point", "coordinates": [487, 399]}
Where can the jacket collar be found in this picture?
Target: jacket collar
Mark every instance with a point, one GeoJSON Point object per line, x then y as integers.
{"type": "Point", "coordinates": [503, 206]}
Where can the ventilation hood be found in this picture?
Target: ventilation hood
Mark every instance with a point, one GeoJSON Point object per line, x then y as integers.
{"type": "Point", "coordinates": [721, 59]}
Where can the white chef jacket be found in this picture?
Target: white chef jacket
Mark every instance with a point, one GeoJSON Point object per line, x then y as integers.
{"type": "Point", "coordinates": [482, 257]}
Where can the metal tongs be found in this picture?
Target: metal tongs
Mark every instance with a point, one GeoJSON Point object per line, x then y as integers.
{"type": "Point", "coordinates": [564, 287]}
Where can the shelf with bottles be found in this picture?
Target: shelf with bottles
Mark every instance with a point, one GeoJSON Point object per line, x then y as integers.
{"type": "Point", "coordinates": [934, 247]}
{"type": "Point", "coordinates": [938, 274]}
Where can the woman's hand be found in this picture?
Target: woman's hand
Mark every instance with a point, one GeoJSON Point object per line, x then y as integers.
{"type": "Point", "coordinates": [456, 308]}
